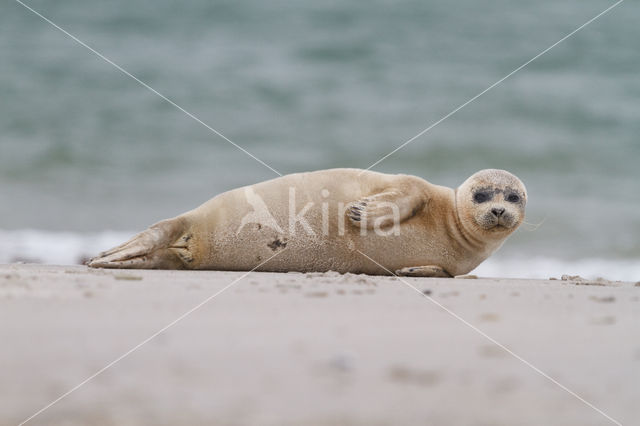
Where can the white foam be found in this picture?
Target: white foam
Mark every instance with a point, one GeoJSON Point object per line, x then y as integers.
{"type": "Point", "coordinates": [545, 267]}
{"type": "Point", "coordinates": [68, 248]}
{"type": "Point", "coordinates": [59, 248]}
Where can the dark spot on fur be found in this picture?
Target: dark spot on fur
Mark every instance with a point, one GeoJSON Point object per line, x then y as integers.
{"type": "Point", "coordinates": [483, 195]}
{"type": "Point", "coordinates": [276, 244]}
{"type": "Point", "coordinates": [259, 226]}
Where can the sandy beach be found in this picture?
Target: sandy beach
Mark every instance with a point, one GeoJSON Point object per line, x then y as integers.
{"type": "Point", "coordinates": [118, 115]}
{"type": "Point", "coordinates": [313, 349]}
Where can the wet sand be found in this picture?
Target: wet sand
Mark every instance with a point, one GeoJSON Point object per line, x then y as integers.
{"type": "Point", "coordinates": [313, 349]}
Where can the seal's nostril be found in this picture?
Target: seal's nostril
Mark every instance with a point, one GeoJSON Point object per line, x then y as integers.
{"type": "Point", "coordinates": [497, 211]}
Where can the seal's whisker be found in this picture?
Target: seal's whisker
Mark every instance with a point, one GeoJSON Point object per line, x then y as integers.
{"type": "Point", "coordinates": [534, 226]}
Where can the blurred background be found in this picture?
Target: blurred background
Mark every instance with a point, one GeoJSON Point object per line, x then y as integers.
{"type": "Point", "coordinates": [88, 156]}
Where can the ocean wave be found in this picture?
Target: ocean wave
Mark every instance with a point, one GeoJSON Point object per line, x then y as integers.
{"type": "Point", "coordinates": [70, 248]}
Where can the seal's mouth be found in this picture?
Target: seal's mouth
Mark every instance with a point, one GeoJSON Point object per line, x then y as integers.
{"type": "Point", "coordinates": [493, 227]}
{"type": "Point", "coordinates": [497, 224]}
{"type": "Point", "coordinates": [497, 218]}
{"type": "Point", "coordinates": [500, 227]}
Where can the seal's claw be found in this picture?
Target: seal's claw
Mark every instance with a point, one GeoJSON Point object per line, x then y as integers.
{"type": "Point", "coordinates": [355, 214]}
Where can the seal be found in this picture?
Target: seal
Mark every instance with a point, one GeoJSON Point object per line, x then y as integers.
{"type": "Point", "coordinates": [343, 220]}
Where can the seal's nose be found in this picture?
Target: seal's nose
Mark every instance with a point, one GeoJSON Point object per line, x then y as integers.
{"type": "Point", "coordinates": [497, 211]}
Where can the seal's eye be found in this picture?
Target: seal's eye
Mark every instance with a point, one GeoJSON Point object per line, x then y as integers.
{"type": "Point", "coordinates": [513, 198]}
{"type": "Point", "coordinates": [481, 197]}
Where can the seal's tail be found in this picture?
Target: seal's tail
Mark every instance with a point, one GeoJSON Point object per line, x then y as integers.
{"type": "Point", "coordinates": [162, 246]}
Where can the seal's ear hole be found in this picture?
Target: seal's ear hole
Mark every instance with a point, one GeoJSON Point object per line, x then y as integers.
{"type": "Point", "coordinates": [481, 197]}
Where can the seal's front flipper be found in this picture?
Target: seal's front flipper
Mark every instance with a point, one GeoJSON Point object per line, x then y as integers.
{"type": "Point", "coordinates": [424, 271]}
{"type": "Point", "coordinates": [385, 208]}
{"type": "Point", "coordinates": [162, 246]}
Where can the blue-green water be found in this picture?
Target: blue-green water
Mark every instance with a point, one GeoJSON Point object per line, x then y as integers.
{"type": "Point", "coordinates": [309, 85]}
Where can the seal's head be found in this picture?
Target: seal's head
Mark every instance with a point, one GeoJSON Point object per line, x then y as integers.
{"type": "Point", "coordinates": [491, 202]}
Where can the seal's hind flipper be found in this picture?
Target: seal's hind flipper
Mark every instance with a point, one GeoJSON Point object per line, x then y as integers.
{"type": "Point", "coordinates": [162, 246]}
